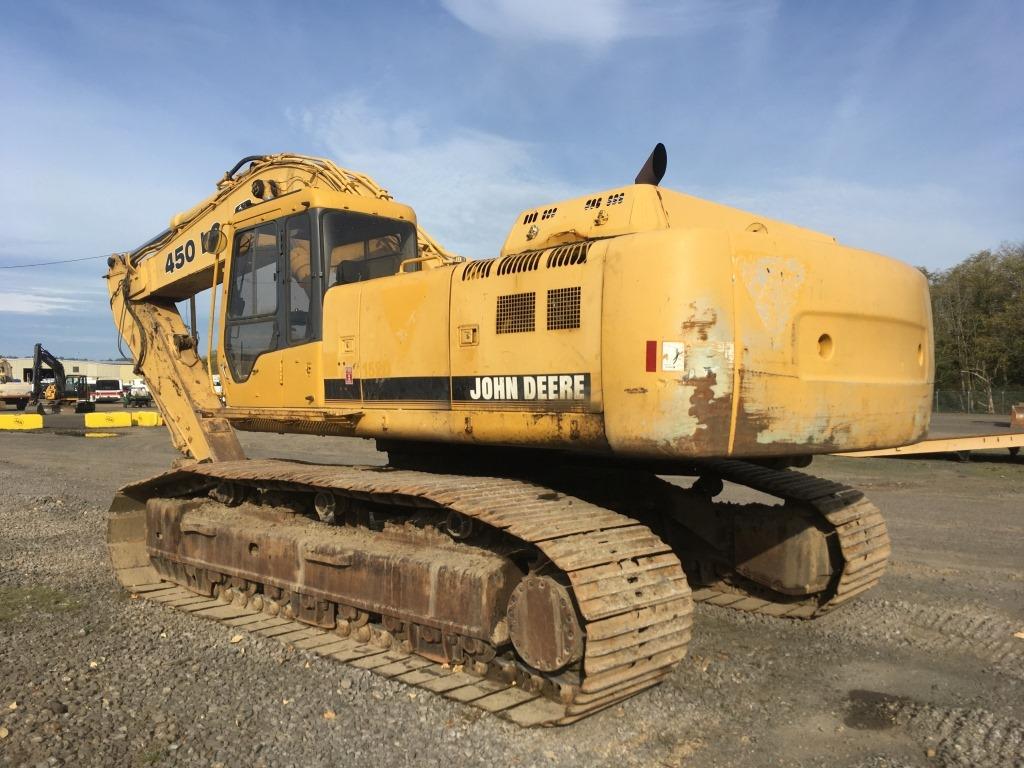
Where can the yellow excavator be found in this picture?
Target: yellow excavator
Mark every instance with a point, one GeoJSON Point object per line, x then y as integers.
{"type": "Point", "coordinates": [520, 551]}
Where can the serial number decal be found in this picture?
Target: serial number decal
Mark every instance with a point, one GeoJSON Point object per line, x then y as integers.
{"type": "Point", "coordinates": [180, 256]}
{"type": "Point", "coordinates": [553, 386]}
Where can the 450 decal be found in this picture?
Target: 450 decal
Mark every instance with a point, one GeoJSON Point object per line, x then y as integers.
{"type": "Point", "coordinates": [180, 256]}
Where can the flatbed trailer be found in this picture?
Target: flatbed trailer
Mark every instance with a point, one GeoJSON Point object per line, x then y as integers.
{"type": "Point", "coordinates": [1012, 441]}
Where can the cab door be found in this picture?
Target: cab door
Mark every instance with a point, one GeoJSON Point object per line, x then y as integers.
{"type": "Point", "coordinates": [251, 331]}
{"type": "Point", "coordinates": [301, 318]}
{"type": "Point", "coordinates": [270, 347]}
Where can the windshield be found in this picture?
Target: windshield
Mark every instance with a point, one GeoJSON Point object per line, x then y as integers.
{"type": "Point", "coordinates": [362, 247]}
{"type": "Point", "coordinates": [108, 384]}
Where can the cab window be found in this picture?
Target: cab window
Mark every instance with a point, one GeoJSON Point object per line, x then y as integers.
{"type": "Point", "coordinates": [360, 247]}
{"type": "Point", "coordinates": [302, 319]}
{"type": "Point", "coordinates": [251, 327]}
{"type": "Point", "coordinates": [254, 274]}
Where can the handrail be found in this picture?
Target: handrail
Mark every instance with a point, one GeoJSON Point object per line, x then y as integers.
{"type": "Point", "coordinates": [209, 330]}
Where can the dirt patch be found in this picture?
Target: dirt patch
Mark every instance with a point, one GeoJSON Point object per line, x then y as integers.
{"type": "Point", "coordinates": [24, 601]}
{"type": "Point", "coordinates": [872, 711]}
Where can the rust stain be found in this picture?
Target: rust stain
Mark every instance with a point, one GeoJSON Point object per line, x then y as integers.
{"type": "Point", "coordinates": [753, 423]}
{"type": "Point", "coordinates": [699, 322]}
{"type": "Point", "coordinates": [749, 423]}
{"type": "Point", "coordinates": [713, 415]}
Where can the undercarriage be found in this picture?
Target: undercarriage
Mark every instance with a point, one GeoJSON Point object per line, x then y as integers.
{"type": "Point", "coordinates": [543, 595]}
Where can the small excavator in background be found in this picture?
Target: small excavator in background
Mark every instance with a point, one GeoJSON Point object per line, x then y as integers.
{"type": "Point", "coordinates": [521, 550]}
{"type": "Point", "coordinates": [63, 391]}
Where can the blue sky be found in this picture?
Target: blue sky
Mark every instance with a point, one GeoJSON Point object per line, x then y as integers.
{"type": "Point", "coordinates": [896, 126]}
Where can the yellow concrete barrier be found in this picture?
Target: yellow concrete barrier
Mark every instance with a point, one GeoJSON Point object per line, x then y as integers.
{"type": "Point", "coordinates": [108, 419]}
{"type": "Point", "coordinates": [21, 421]}
{"type": "Point", "coordinates": [147, 419]}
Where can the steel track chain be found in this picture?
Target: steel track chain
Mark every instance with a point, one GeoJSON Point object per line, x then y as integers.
{"type": "Point", "coordinates": [628, 586]}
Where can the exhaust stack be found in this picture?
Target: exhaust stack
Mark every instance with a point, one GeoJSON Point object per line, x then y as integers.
{"type": "Point", "coordinates": [654, 168]}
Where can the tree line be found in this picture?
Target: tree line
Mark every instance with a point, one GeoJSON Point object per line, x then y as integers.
{"type": "Point", "coordinates": [978, 313]}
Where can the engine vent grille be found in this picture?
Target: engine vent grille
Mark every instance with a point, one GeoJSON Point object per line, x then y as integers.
{"type": "Point", "coordinates": [563, 308]}
{"type": "Point", "coordinates": [519, 262]}
{"type": "Point", "coordinates": [516, 313]}
{"type": "Point", "coordinates": [530, 218]}
{"type": "Point", "coordinates": [549, 213]}
{"type": "Point", "coordinates": [527, 261]}
{"type": "Point", "coordinates": [475, 270]}
{"type": "Point", "coordinates": [616, 198]}
{"type": "Point", "coordinates": [567, 255]}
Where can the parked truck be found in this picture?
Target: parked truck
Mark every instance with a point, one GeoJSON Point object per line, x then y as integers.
{"type": "Point", "coordinates": [13, 391]}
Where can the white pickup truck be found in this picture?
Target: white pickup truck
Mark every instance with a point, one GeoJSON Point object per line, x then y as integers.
{"type": "Point", "coordinates": [12, 391]}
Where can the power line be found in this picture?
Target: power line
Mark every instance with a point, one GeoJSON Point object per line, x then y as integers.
{"type": "Point", "coordinates": [48, 263]}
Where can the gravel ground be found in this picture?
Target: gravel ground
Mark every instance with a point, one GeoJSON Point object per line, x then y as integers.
{"type": "Point", "coordinates": [923, 671]}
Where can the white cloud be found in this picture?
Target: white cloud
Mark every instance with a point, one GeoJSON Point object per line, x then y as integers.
{"type": "Point", "coordinates": [29, 302]}
{"type": "Point", "coordinates": [597, 22]}
{"type": "Point", "coordinates": [467, 186]}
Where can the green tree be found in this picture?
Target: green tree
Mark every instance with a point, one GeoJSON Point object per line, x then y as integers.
{"type": "Point", "coordinates": [978, 313]}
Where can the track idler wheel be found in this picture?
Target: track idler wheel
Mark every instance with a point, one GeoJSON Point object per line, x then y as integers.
{"type": "Point", "coordinates": [228, 493]}
{"type": "Point", "coordinates": [543, 625]}
{"type": "Point", "coordinates": [326, 507]}
{"type": "Point", "coordinates": [459, 527]}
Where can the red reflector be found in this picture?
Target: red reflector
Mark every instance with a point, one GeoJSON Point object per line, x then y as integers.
{"type": "Point", "coordinates": [652, 356]}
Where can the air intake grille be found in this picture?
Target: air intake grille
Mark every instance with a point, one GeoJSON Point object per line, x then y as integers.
{"type": "Point", "coordinates": [563, 308]}
{"type": "Point", "coordinates": [567, 255]}
{"type": "Point", "coordinates": [477, 269]}
{"type": "Point", "coordinates": [519, 262]}
{"type": "Point", "coordinates": [516, 313]}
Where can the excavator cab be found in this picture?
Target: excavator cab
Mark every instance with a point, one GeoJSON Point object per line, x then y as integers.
{"type": "Point", "coordinates": [278, 273]}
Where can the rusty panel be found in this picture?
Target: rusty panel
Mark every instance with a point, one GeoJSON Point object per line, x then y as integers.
{"type": "Point", "coordinates": [461, 589]}
{"type": "Point", "coordinates": [679, 404]}
{"type": "Point", "coordinates": [755, 344]}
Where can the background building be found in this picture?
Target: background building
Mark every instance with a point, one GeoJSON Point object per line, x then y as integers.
{"type": "Point", "coordinates": [94, 369]}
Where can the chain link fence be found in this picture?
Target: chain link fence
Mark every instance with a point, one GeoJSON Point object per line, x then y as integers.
{"type": "Point", "coordinates": [958, 401]}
